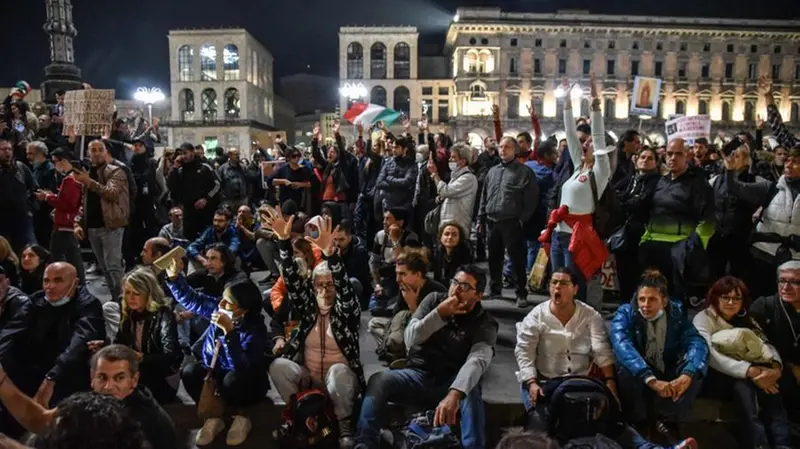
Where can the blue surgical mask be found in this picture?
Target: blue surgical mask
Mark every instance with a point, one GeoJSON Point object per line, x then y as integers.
{"type": "Point", "coordinates": [60, 302]}
{"type": "Point", "coordinates": [655, 318]}
{"type": "Point", "coordinates": [313, 233]}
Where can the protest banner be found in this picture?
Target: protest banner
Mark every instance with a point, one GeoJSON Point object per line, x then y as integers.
{"type": "Point", "coordinates": [645, 96]}
{"type": "Point", "coordinates": [689, 128]}
{"type": "Point", "coordinates": [88, 112]}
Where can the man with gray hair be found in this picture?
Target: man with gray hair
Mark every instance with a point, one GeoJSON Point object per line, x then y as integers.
{"type": "Point", "coordinates": [44, 173]}
{"type": "Point", "coordinates": [457, 196]}
{"type": "Point", "coordinates": [779, 317]}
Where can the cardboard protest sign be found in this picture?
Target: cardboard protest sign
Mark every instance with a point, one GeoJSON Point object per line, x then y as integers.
{"type": "Point", "coordinates": [88, 112]}
{"type": "Point", "coordinates": [645, 96]}
{"type": "Point", "coordinates": [689, 128]}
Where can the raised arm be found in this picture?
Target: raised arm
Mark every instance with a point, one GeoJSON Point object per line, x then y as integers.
{"type": "Point", "coordinates": [498, 127]}
{"type": "Point", "coordinates": [779, 130]}
{"type": "Point", "coordinates": [573, 143]}
{"type": "Point", "coordinates": [196, 302]}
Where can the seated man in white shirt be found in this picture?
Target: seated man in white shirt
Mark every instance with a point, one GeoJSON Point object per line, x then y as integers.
{"type": "Point", "coordinates": [564, 337]}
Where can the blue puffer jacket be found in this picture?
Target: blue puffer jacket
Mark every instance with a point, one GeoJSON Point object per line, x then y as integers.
{"type": "Point", "coordinates": [209, 237]}
{"type": "Point", "coordinates": [685, 351]}
{"type": "Point", "coordinates": [242, 350]}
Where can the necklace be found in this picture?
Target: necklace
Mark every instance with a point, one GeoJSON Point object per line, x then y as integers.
{"type": "Point", "coordinates": [791, 326]}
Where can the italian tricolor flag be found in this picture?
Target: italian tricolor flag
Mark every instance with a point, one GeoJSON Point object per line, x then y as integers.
{"type": "Point", "coordinates": [370, 114]}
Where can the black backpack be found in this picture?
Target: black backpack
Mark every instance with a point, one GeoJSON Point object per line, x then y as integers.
{"type": "Point", "coordinates": [583, 407]}
{"type": "Point", "coordinates": [308, 421]}
{"type": "Point", "coordinates": [608, 215]}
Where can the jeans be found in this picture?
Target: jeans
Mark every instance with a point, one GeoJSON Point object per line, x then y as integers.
{"type": "Point", "coordinates": [107, 248]}
{"type": "Point", "coordinates": [560, 257]}
{"type": "Point", "coordinates": [236, 388]}
{"type": "Point", "coordinates": [415, 387]}
{"type": "Point", "coordinates": [341, 383]}
{"type": "Point", "coordinates": [539, 421]}
{"type": "Point", "coordinates": [190, 329]}
{"type": "Point", "coordinates": [504, 236]}
{"type": "Point", "coordinates": [64, 247]}
{"type": "Point", "coordinates": [637, 398]}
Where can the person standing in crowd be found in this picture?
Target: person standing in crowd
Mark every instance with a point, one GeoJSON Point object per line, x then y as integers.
{"type": "Point", "coordinates": [66, 206]}
{"type": "Point", "coordinates": [486, 160]}
{"type": "Point", "coordinates": [395, 184]}
{"type": "Point", "coordinates": [702, 159]}
{"type": "Point", "coordinates": [681, 223]}
{"type": "Point", "coordinates": [143, 223]}
{"type": "Point", "coordinates": [105, 213]}
{"type": "Point", "coordinates": [233, 181]}
{"type": "Point", "coordinates": [779, 317]}
{"type": "Point", "coordinates": [509, 199]}
{"type": "Point", "coordinates": [542, 167]}
{"type": "Point", "coordinates": [195, 188]}
{"type": "Point", "coordinates": [370, 163]}
{"type": "Point", "coordinates": [339, 185]}
{"type": "Point", "coordinates": [457, 197]}
{"type": "Point", "coordinates": [44, 174]}
{"type": "Point", "coordinates": [293, 179]}
{"type": "Point", "coordinates": [661, 357]}
{"type": "Point", "coordinates": [17, 187]}
{"type": "Point", "coordinates": [751, 380]}
{"type": "Point", "coordinates": [628, 146]}
{"type": "Point", "coordinates": [424, 193]}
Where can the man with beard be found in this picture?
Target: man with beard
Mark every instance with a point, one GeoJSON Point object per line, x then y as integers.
{"type": "Point", "coordinates": [194, 186]}
{"type": "Point", "coordinates": [220, 231]}
{"type": "Point", "coordinates": [44, 173]}
{"type": "Point", "coordinates": [233, 180]}
{"type": "Point", "coordinates": [17, 187]}
{"type": "Point", "coordinates": [115, 373]}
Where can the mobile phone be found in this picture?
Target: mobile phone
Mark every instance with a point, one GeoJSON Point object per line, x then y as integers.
{"type": "Point", "coordinates": [731, 146]}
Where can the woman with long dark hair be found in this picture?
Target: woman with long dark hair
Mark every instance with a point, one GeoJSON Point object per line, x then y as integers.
{"type": "Point", "coordinates": [35, 259]}
{"type": "Point", "coordinates": [451, 251]}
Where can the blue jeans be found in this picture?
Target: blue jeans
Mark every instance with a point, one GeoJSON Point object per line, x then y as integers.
{"type": "Point", "coordinates": [539, 421]}
{"type": "Point", "coordinates": [533, 251]}
{"type": "Point", "coordinates": [415, 387]}
{"type": "Point", "coordinates": [561, 257]}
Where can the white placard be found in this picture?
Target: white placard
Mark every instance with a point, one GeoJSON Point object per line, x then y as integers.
{"type": "Point", "coordinates": [645, 96]}
{"type": "Point", "coordinates": [689, 128]}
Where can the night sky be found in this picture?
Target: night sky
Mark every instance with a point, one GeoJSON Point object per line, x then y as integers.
{"type": "Point", "coordinates": [123, 44]}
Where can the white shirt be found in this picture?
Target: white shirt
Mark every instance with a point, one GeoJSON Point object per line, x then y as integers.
{"type": "Point", "coordinates": [546, 348]}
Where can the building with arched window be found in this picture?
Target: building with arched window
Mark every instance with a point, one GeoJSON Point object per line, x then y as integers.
{"type": "Point", "coordinates": [223, 85]}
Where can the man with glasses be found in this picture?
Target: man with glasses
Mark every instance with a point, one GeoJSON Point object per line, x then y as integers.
{"type": "Point", "coordinates": [450, 341]}
{"type": "Point", "coordinates": [292, 179]}
{"type": "Point", "coordinates": [779, 317]}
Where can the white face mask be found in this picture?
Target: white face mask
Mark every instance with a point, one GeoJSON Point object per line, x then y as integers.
{"type": "Point", "coordinates": [420, 158]}
{"type": "Point", "coordinates": [322, 302]}
{"type": "Point", "coordinates": [302, 266]}
{"type": "Point", "coordinates": [453, 166]}
{"type": "Point", "coordinates": [227, 313]}
{"type": "Point", "coordinates": [655, 318]}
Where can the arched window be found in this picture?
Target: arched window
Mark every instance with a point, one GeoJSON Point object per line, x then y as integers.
{"type": "Point", "coordinates": [378, 96]}
{"type": "Point", "coordinates": [402, 100]}
{"type": "Point", "coordinates": [485, 61]}
{"type": "Point", "coordinates": [377, 61]}
{"type": "Point", "coordinates": [185, 63]}
{"type": "Point", "coordinates": [186, 101]}
{"type": "Point", "coordinates": [477, 92]}
{"type": "Point", "coordinates": [794, 117]}
{"type": "Point", "coordinates": [471, 61]}
{"type": "Point", "coordinates": [230, 60]}
{"type": "Point", "coordinates": [232, 104]}
{"type": "Point", "coordinates": [749, 111]}
{"type": "Point", "coordinates": [610, 107]}
{"type": "Point", "coordinates": [680, 107]}
{"type": "Point", "coordinates": [702, 107]}
{"type": "Point", "coordinates": [355, 61]}
{"type": "Point", "coordinates": [209, 99]}
{"type": "Point", "coordinates": [513, 106]}
{"type": "Point", "coordinates": [208, 63]}
{"type": "Point", "coordinates": [402, 61]}
{"type": "Point", "coordinates": [726, 111]}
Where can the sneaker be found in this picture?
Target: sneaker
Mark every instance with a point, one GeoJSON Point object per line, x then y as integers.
{"type": "Point", "coordinates": [211, 428]}
{"type": "Point", "coordinates": [522, 302]}
{"type": "Point", "coordinates": [398, 364]}
{"type": "Point", "coordinates": [240, 427]}
{"type": "Point", "coordinates": [94, 269]}
{"type": "Point", "coordinates": [345, 434]}
{"type": "Point", "coordinates": [689, 443]}
{"type": "Point", "coordinates": [669, 431]}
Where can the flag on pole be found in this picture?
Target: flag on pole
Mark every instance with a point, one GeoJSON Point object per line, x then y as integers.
{"type": "Point", "coordinates": [370, 114]}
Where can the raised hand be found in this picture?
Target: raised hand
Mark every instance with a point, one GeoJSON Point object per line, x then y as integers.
{"type": "Point", "coordinates": [406, 122]}
{"type": "Point", "coordinates": [275, 222]}
{"type": "Point", "coordinates": [496, 112]}
{"type": "Point", "coordinates": [336, 125]}
{"type": "Point", "coordinates": [593, 86]}
{"type": "Point", "coordinates": [324, 240]}
{"type": "Point", "coordinates": [759, 122]}
{"type": "Point", "coordinates": [360, 128]}
{"type": "Point", "coordinates": [765, 84]}
{"type": "Point", "coordinates": [315, 131]}
{"type": "Point", "coordinates": [531, 109]}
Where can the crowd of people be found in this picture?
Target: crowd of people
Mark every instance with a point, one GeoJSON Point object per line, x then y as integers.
{"type": "Point", "coordinates": [705, 238]}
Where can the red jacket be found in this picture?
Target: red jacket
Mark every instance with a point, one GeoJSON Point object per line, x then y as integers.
{"type": "Point", "coordinates": [67, 203]}
{"type": "Point", "coordinates": [588, 250]}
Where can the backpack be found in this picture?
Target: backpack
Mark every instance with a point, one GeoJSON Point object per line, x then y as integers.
{"type": "Point", "coordinates": [608, 215]}
{"type": "Point", "coordinates": [420, 433]}
{"type": "Point", "coordinates": [582, 407]}
{"type": "Point", "coordinates": [595, 442]}
{"type": "Point", "coordinates": [308, 421]}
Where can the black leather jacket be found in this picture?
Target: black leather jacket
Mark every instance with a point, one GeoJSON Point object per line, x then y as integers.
{"type": "Point", "coordinates": [159, 338]}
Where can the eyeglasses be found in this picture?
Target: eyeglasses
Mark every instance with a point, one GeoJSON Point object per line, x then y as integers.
{"type": "Point", "coordinates": [792, 282]}
{"type": "Point", "coordinates": [730, 299]}
{"type": "Point", "coordinates": [463, 286]}
{"type": "Point", "coordinates": [561, 282]}
{"type": "Point", "coordinates": [326, 286]}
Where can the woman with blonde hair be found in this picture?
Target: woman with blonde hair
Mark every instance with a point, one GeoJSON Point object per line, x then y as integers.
{"type": "Point", "coordinates": [9, 261]}
{"type": "Point", "coordinates": [148, 326]}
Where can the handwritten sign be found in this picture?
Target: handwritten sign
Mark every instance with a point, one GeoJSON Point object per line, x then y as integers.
{"type": "Point", "coordinates": [88, 112]}
{"type": "Point", "coordinates": [689, 128]}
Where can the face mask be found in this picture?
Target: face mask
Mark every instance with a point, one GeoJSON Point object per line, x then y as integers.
{"type": "Point", "coordinates": [453, 166]}
{"type": "Point", "coordinates": [302, 266]}
{"type": "Point", "coordinates": [655, 318]}
{"type": "Point", "coordinates": [322, 303]}
{"type": "Point", "coordinates": [63, 300]}
{"type": "Point", "coordinates": [420, 158]}
{"type": "Point", "coordinates": [313, 233]}
{"type": "Point", "coordinates": [227, 313]}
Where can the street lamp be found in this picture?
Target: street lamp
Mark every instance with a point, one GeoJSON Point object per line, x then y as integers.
{"type": "Point", "coordinates": [576, 92]}
{"type": "Point", "coordinates": [353, 91]}
{"type": "Point", "coordinates": [149, 96]}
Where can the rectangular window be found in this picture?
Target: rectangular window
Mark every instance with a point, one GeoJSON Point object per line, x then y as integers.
{"type": "Point", "coordinates": [563, 43]}
{"type": "Point", "coordinates": [705, 71]}
{"type": "Point", "coordinates": [537, 43]}
{"type": "Point", "coordinates": [659, 68]}
{"type": "Point", "coordinates": [512, 66]}
{"type": "Point", "coordinates": [444, 111]}
{"type": "Point", "coordinates": [682, 69]}
{"type": "Point", "coordinates": [777, 49]}
{"type": "Point", "coordinates": [427, 90]}
{"type": "Point", "coordinates": [537, 66]}
{"type": "Point", "coordinates": [659, 46]}
{"type": "Point", "coordinates": [634, 67]}
{"type": "Point", "coordinates": [635, 45]}
{"type": "Point", "coordinates": [514, 42]}
{"type": "Point", "coordinates": [612, 45]}
{"type": "Point", "coordinates": [427, 107]}
{"type": "Point", "coordinates": [730, 48]}
{"type": "Point", "coordinates": [587, 44]}
{"type": "Point", "coordinates": [752, 70]}
{"type": "Point", "coordinates": [513, 106]}
{"type": "Point", "coordinates": [444, 91]}
{"type": "Point", "coordinates": [706, 47]}
{"type": "Point", "coordinates": [729, 70]}
{"type": "Point", "coordinates": [610, 67]}
{"type": "Point", "coordinates": [562, 66]}
{"type": "Point", "coordinates": [684, 46]}
{"type": "Point", "coordinates": [776, 72]}
{"type": "Point", "coordinates": [587, 66]}
{"type": "Point", "coordinates": [754, 48]}
{"type": "Point", "coordinates": [797, 72]}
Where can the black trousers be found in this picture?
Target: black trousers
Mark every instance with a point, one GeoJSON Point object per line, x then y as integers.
{"type": "Point", "coordinates": [237, 389]}
{"type": "Point", "coordinates": [196, 221]}
{"type": "Point", "coordinates": [658, 255]}
{"type": "Point", "coordinates": [505, 236]}
{"type": "Point", "coordinates": [733, 249]}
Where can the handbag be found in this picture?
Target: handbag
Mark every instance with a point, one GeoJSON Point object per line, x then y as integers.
{"type": "Point", "coordinates": [210, 404]}
{"type": "Point", "coordinates": [432, 220]}
{"type": "Point", "coordinates": [539, 270]}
